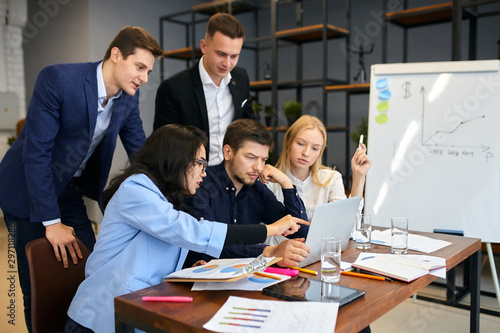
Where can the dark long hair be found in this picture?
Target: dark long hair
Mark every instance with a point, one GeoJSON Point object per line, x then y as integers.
{"type": "Point", "coordinates": [166, 156]}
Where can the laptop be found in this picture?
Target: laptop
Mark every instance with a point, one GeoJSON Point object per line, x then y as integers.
{"type": "Point", "coordinates": [335, 219]}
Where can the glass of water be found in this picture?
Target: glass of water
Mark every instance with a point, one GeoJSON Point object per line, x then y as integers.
{"type": "Point", "coordinates": [363, 231]}
{"type": "Point", "coordinates": [399, 235]}
{"type": "Point", "coordinates": [330, 259]}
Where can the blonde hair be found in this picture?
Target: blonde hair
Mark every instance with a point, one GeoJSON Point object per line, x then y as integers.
{"type": "Point", "coordinates": [304, 122]}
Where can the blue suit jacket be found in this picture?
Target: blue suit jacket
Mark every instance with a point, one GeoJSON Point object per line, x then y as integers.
{"type": "Point", "coordinates": [59, 127]}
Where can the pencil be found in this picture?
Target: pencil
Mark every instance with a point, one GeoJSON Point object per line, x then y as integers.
{"type": "Point", "coordinates": [368, 276]}
{"type": "Point", "coordinates": [267, 275]}
{"type": "Point", "coordinates": [371, 273]}
{"type": "Point", "coordinates": [303, 270]}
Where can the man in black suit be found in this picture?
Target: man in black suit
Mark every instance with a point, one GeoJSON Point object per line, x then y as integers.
{"type": "Point", "coordinates": [212, 93]}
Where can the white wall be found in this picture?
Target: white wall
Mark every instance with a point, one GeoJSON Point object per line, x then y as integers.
{"type": "Point", "coordinates": [12, 19]}
{"type": "Point", "coordinates": [57, 31]}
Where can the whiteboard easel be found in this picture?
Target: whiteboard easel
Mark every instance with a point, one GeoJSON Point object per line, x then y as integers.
{"type": "Point", "coordinates": [433, 139]}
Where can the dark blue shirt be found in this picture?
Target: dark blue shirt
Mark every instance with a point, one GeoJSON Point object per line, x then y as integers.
{"type": "Point", "coordinates": [215, 201]}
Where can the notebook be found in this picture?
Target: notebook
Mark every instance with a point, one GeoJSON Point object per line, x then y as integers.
{"type": "Point", "coordinates": [404, 268]}
{"type": "Point", "coordinates": [333, 218]}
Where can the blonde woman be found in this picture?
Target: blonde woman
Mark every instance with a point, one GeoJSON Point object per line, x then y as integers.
{"type": "Point", "coordinates": [316, 184]}
{"type": "Point", "coordinates": [300, 160]}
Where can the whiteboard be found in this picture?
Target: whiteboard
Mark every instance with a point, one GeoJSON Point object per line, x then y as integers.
{"type": "Point", "coordinates": [433, 138]}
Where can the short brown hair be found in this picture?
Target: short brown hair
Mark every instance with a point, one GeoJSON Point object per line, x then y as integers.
{"type": "Point", "coordinates": [242, 130]}
{"type": "Point", "coordinates": [130, 38]}
{"type": "Point", "coordinates": [226, 24]}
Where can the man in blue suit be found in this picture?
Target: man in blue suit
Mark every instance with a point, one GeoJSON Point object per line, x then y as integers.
{"type": "Point", "coordinates": [66, 147]}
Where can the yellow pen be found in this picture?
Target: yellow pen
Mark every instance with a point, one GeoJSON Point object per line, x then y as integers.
{"type": "Point", "coordinates": [303, 270]}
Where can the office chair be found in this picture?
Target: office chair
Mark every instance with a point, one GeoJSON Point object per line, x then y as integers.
{"type": "Point", "coordinates": [52, 286]}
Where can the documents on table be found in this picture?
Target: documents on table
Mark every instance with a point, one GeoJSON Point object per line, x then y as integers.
{"type": "Point", "coordinates": [222, 270]}
{"type": "Point", "coordinates": [240, 314]}
{"type": "Point", "coordinates": [345, 266]}
{"type": "Point", "coordinates": [401, 267]}
{"type": "Point", "coordinates": [415, 242]}
{"type": "Point", "coordinates": [251, 282]}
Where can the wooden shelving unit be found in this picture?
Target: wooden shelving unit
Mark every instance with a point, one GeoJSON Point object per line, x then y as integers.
{"type": "Point", "coordinates": [224, 6]}
{"type": "Point", "coordinates": [321, 32]}
{"type": "Point", "coordinates": [185, 53]}
{"type": "Point", "coordinates": [359, 88]}
{"type": "Point", "coordinates": [453, 12]}
{"type": "Point", "coordinates": [188, 19]}
{"type": "Point", "coordinates": [310, 83]}
{"type": "Point", "coordinates": [261, 85]}
{"type": "Point", "coordinates": [422, 15]}
{"type": "Point", "coordinates": [311, 33]}
{"type": "Point", "coordinates": [416, 17]}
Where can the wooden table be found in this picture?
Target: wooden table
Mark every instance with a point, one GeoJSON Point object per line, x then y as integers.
{"type": "Point", "coordinates": [381, 296]}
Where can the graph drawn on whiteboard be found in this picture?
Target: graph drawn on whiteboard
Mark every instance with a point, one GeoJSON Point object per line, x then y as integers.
{"type": "Point", "coordinates": [447, 126]}
{"type": "Point", "coordinates": [455, 144]}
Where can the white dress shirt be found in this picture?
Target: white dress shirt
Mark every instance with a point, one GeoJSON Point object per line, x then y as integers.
{"type": "Point", "coordinates": [312, 194]}
{"type": "Point", "coordinates": [220, 110]}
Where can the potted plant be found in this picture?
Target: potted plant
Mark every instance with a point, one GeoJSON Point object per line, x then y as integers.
{"type": "Point", "coordinates": [362, 128]}
{"type": "Point", "coordinates": [257, 107]}
{"type": "Point", "coordinates": [268, 110]}
{"type": "Point", "coordinates": [292, 111]}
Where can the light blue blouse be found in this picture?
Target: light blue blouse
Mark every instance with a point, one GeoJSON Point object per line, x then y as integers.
{"type": "Point", "coordinates": [142, 238]}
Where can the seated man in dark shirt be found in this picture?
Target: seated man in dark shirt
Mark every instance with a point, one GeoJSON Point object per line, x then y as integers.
{"type": "Point", "coordinates": [232, 193]}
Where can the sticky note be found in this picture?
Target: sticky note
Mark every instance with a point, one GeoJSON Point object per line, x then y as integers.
{"type": "Point", "coordinates": [381, 118]}
{"type": "Point", "coordinates": [384, 94]}
{"type": "Point", "coordinates": [383, 106]}
{"type": "Point", "coordinates": [382, 84]}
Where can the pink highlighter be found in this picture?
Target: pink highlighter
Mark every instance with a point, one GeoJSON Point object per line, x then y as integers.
{"type": "Point", "coordinates": [170, 299]}
{"type": "Point", "coordinates": [282, 271]}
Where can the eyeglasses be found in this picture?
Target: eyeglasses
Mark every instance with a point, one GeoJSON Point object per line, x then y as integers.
{"type": "Point", "coordinates": [203, 163]}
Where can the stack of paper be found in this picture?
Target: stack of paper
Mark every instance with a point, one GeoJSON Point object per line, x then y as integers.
{"type": "Point", "coordinates": [399, 267]}
{"type": "Point", "coordinates": [415, 242]}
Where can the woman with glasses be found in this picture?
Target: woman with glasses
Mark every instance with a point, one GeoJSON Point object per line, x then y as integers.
{"type": "Point", "coordinates": [145, 233]}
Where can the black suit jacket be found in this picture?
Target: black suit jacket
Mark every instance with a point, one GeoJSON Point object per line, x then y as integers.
{"type": "Point", "coordinates": [181, 100]}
